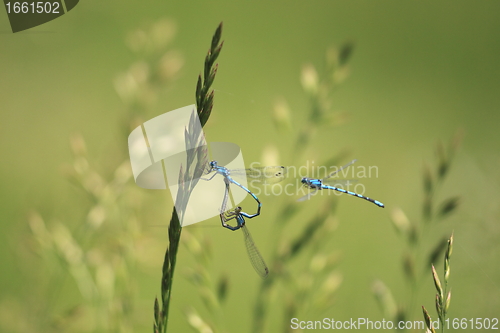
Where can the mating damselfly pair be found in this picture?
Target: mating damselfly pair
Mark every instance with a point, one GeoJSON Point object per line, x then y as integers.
{"type": "Point", "coordinates": [266, 175]}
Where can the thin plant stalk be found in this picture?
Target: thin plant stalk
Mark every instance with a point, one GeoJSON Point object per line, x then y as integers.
{"type": "Point", "coordinates": [204, 104]}
{"type": "Point", "coordinates": [318, 90]}
{"type": "Point", "coordinates": [443, 295]}
{"type": "Point", "coordinates": [415, 232]}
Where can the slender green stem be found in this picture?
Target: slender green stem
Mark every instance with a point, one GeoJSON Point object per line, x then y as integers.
{"type": "Point", "coordinates": [204, 104]}
{"type": "Point", "coordinates": [318, 114]}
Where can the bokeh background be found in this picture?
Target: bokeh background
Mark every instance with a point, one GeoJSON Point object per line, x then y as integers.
{"type": "Point", "coordinates": [420, 71]}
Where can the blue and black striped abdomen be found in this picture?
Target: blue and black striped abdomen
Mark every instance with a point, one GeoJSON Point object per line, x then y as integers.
{"type": "Point", "coordinates": [376, 202]}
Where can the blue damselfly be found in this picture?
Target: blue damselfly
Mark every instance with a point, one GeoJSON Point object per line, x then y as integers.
{"type": "Point", "coordinates": [320, 184]}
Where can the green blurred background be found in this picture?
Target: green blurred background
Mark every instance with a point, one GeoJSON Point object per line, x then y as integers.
{"type": "Point", "coordinates": [420, 71]}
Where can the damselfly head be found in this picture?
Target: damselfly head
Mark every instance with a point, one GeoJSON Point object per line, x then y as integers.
{"type": "Point", "coordinates": [213, 164]}
{"type": "Point", "coordinates": [304, 180]}
{"type": "Point", "coordinates": [237, 210]}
